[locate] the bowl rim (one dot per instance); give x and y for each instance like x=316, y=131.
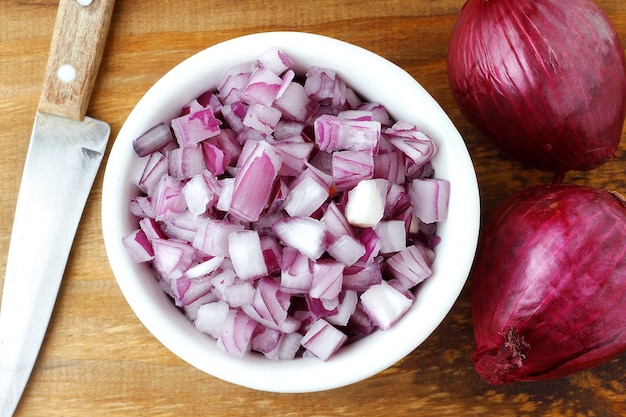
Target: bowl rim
x=354, y=362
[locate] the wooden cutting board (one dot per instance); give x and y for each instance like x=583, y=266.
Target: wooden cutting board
x=98, y=360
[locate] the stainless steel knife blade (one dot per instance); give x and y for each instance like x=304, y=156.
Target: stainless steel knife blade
x=64, y=155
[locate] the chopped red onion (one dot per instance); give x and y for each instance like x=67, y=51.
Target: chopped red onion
x=323, y=339
x=306, y=194
x=335, y=221
x=305, y=234
x=333, y=133
x=138, y=246
x=153, y=140
x=200, y=193
x=384, y=304
x=212, y=236
x=195, y=127
x=254, y=182
x=362, y=275
x=262, y=88
x=168, y=198
x=246, y=254
x=236, y=335
x=392, y=235
x=411, y=265
x=284, y=215
x=149, y=171
x=350, y=167
x=297, y=274
x=275, y=60
x=346, y=249
x=327, y=277
x=412, y=142
x=430, y=199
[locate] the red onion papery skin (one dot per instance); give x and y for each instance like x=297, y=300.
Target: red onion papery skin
x=545, y=80
x=548, y=287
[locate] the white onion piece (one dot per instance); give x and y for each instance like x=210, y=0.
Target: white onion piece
x=366, y=202
x=285, y=215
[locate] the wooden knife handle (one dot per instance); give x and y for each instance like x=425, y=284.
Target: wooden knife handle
x=78, y=40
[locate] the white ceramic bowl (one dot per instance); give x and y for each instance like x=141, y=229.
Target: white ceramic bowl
x=376, y=79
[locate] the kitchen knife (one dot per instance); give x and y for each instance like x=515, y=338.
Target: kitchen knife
x=63, y=158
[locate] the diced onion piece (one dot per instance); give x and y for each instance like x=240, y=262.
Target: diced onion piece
x=384, y=304
x=246, y=254
x=200, y=192
x=212, y=236
x=237, y=295
x=350, y=167
x=172, y=258
x=411, y=141
x=204, y=268
x=138, y=246
x=153, y=140
x=346, y=249
x=168, y=198
x=233, y=81
x=226, y=186
x=195, y=127
x=184, y=163
x=151, y=170
x=270, y=306
x=430, y=199
x=392, y=235
x=361, y=276
x=262, y=87
x=411, y=265
x=296, y=272
x=327, y=277
x=151, y=228
x=371, y=243
x=272, y=253
x=275, y=60
x=333, y=133
x=345, y=309
x=289, y=345
x=254, y=182
x=236, y=335
x=295, y=104
x=302, y=233
x=323, y=339
x=366, y=203
x=335, y=221
x=262, y=118
x=211, y=318
x=307, y=193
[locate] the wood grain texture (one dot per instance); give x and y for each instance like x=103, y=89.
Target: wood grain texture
x=78, y=40
x=98, y=360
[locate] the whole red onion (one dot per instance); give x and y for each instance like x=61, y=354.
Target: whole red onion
x=545, y=80
x=548, y=286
